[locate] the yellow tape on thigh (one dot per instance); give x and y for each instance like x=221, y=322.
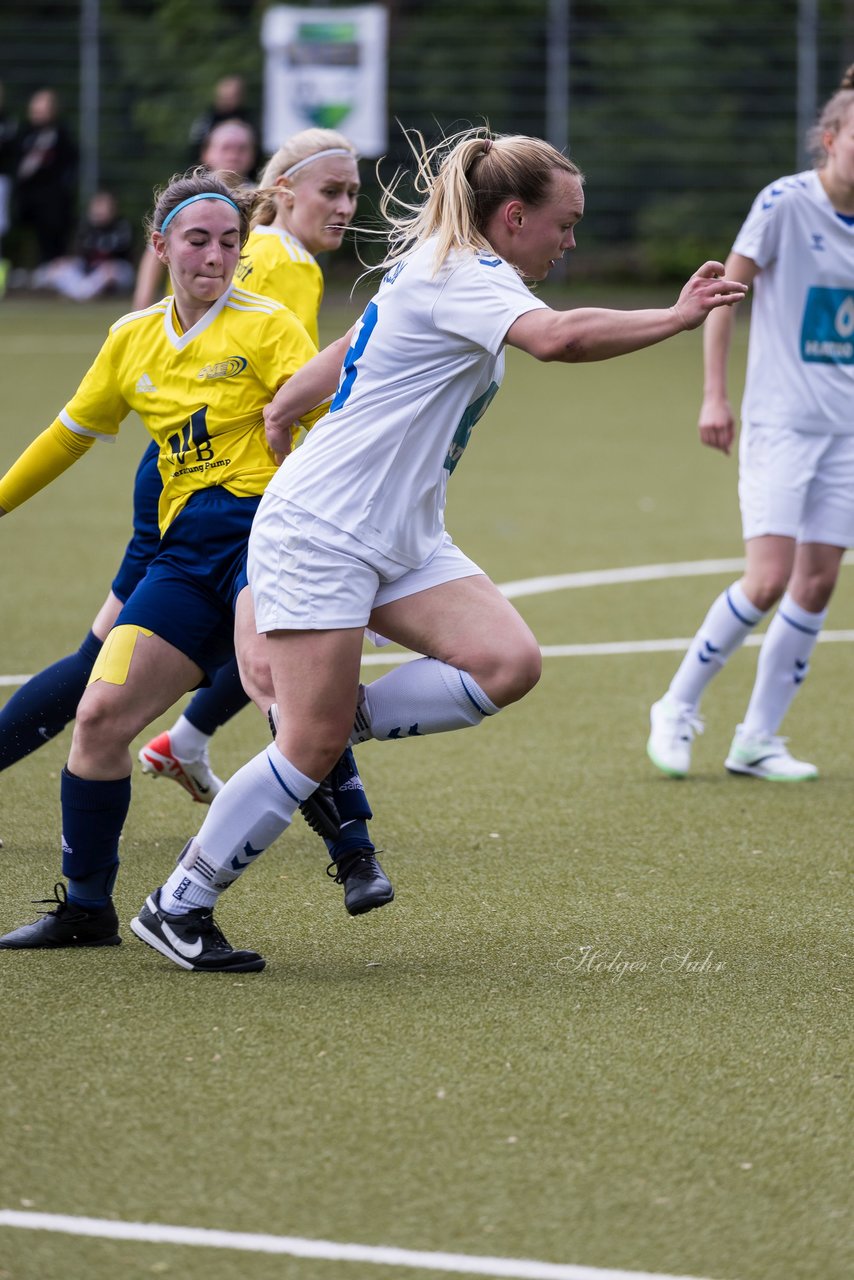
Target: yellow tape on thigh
x=113, y=662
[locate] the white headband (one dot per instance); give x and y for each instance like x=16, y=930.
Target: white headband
x=318, y=155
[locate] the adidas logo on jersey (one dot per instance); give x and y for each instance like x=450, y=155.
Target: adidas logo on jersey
x=145, y=386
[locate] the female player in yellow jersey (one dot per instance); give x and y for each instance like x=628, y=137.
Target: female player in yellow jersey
x=307, y=199
x=198, y=368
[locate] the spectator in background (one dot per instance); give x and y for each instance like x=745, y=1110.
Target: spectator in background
x=46, y=177
x=101, y=262
x=228, y=104
x=231, y=147
x=8, y=139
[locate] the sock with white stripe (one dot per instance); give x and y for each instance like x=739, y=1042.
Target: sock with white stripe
x=784, y=661
x=729, y=621
x=252, y=810
x=420, y=697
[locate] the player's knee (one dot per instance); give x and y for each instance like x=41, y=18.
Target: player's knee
x=255, y=677
x=513, y=672
x=527, y=671
x=319, y=756
x=813, y=591
x=99, y=725
x=765, y=587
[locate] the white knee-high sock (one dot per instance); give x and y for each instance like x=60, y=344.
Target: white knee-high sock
x=784, y=661
x=420, y=697
x=252, y=810
x=731, y=618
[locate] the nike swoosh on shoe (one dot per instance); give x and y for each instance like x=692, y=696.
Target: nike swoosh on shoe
x=186, y=949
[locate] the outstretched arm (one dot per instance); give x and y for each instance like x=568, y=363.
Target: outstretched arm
x=596, y=333
x=47, y=457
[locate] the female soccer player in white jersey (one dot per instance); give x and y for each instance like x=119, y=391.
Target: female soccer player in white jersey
x=351, y=529
x=198, y=368
x=796, y=453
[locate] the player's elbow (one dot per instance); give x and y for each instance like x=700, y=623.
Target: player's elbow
x=566, y=347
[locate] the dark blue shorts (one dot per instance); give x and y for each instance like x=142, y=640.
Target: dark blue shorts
x=142, y=548
x=189, y=593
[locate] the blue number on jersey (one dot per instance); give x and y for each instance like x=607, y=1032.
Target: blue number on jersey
x=827, y=332
x=475, y=411
x=364, y=329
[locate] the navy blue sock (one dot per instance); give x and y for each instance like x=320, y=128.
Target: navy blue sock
x=223, y=698
x=353, y=808
x=93, y=814
x=43, y=706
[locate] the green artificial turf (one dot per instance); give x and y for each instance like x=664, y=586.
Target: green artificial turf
x=604, y=1022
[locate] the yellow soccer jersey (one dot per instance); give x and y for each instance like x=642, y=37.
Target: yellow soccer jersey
x=200, y=394
x=274, y=263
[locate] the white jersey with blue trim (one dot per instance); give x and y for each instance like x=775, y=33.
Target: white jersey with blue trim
x=426, y=359
x=800, y=364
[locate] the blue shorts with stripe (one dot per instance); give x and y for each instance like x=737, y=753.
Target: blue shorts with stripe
x=142, y=548
x=189, y=592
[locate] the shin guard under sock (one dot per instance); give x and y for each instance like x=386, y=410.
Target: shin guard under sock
x=93, y=814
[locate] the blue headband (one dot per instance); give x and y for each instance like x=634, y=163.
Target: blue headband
x=205, y=195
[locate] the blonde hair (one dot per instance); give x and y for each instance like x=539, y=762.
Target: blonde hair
x=464, y=179
x=299, y=147
x=832, y=117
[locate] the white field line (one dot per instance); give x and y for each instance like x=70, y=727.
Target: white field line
x=593, y=578
x=611, y=577
x=605, y=649
x=327, y=1250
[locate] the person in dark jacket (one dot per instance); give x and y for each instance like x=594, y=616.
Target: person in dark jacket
x=46, y=177
x=101, y=261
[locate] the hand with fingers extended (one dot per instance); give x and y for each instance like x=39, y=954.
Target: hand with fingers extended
x=707, y=289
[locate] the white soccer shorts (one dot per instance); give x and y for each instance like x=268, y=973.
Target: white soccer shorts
x=798, y=484
x=307, y=575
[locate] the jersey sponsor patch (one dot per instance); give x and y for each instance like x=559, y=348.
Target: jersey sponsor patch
x=827, y=332
x=223, y=368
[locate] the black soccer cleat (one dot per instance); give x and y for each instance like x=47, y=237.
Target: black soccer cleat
x=366, y=885
x=319, y=810
x=191, y=939
x=67, y=926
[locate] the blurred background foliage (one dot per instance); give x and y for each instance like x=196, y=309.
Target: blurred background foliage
x=679, y=110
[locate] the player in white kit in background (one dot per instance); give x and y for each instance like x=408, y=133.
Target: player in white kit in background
x=796, y=453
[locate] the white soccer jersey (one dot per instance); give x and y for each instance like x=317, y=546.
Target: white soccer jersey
x=800, y=365
x=425, y=361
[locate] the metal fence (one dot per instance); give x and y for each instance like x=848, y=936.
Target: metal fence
x=677, y=111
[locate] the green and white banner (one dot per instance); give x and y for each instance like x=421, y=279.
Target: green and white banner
x=326, y=67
